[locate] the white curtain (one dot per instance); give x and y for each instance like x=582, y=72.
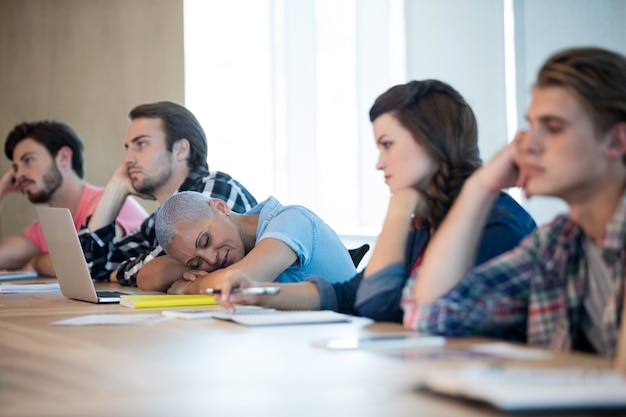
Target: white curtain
x=283, y=89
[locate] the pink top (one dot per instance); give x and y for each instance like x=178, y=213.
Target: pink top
x=130, y=217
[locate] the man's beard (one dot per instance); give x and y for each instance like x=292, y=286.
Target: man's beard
x=150, y=186
x=52, y=180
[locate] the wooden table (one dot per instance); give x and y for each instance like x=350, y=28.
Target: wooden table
x=206, y=367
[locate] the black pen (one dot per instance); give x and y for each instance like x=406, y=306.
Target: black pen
x=246, y=291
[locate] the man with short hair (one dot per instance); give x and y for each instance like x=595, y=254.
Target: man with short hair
x=567, y=280
x=166, y=152
x=48, y=168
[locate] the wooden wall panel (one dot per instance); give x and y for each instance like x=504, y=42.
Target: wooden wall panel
x=87, y=63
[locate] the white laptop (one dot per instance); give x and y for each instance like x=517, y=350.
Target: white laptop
x=68, y=259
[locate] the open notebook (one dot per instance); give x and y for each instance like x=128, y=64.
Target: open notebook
x=277, y=317
x=525, y=390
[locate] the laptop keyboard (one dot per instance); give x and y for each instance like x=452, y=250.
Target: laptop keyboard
x=108, y=294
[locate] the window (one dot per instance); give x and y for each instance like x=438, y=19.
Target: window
x=283, y=90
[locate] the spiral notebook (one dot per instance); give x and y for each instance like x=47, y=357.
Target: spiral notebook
x=278, y=318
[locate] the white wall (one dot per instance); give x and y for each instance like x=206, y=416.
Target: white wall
x=284, y=87
x=543, y=27
x=462, y=42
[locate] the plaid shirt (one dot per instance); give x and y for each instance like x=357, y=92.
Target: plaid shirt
x=541, y=283
x=131, y=252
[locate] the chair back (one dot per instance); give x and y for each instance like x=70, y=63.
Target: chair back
x=358, y=253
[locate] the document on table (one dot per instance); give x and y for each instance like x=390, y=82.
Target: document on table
x=390, y=341
x=506, y=350
x=112, y=320
x=208, y=312
x=7, y=288
x=274, y=318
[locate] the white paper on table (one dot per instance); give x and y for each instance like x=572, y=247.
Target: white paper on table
x=509, y=351
x=112, y=320
x=28, y=288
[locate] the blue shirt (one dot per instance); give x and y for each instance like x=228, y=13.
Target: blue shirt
x=378, y=297
x=317, y=246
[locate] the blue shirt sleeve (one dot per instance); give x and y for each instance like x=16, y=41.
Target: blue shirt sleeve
x=337, y=296
x=507, y=224
x=378, y=297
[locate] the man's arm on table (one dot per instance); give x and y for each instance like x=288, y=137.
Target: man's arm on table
x=16, y=251
x=160, y=273
x=42, y=264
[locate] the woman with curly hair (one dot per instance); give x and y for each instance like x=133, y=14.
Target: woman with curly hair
x=427, y=138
